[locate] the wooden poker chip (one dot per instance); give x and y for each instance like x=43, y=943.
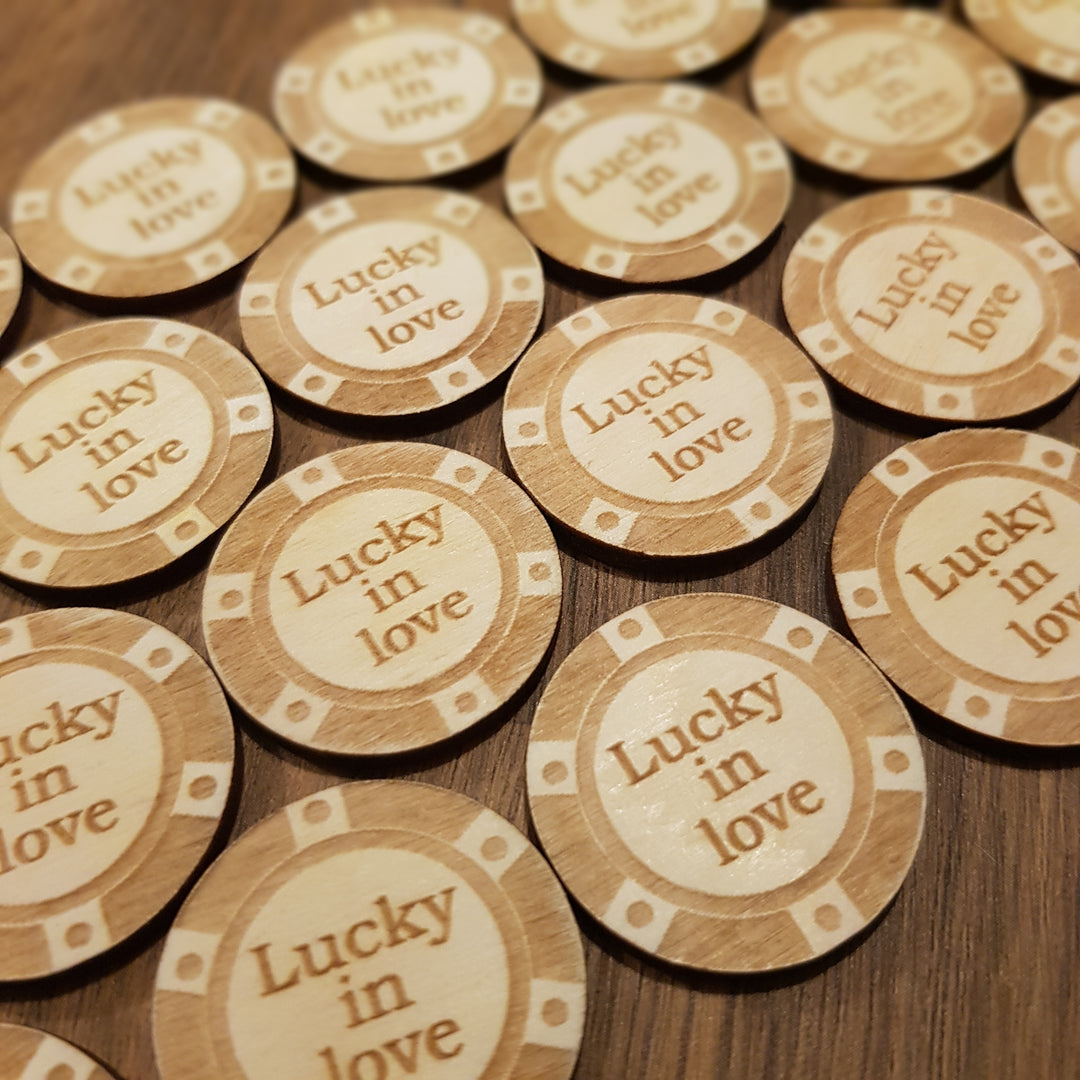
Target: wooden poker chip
x=375, y=929
x=153, y=197
x=29, y=1054
x=394, y=300
x=1043, y=35
x=10, y=279
x=626, y=40
x=123, y=444
x=955, y=561
x=937, y=304
x=665, y=424
x=768, y=849
x=647, y=182
x=887, y=95
x=381, y=598
x=404, y=92
x=92, y=847
x=1047, y=169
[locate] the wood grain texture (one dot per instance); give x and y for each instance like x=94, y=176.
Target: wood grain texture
x=762, y=851
x=153, y=196
x=887, y=94
x=1042, y=162
x=937, y=304
x=392, y=301
x=381, y=598
x=28, y=1054
x=668, y=424
x=973, y=973
x=621, y=39
x=11, y=278
x=118, y=756
x=1045, y=37
x=955, y=565
x=402, y=91
x=128, y=442
x=373, y=929
x=647, y=182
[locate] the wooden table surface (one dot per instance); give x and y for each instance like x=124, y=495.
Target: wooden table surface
x=971, y=972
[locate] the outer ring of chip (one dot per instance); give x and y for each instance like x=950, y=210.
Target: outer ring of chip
x=1047, y=368
x=1041, y=170
x=29, y=1052
x=787, y=477
x=982, y=698
x=516, y=94
x=545, y=1004
x=275, y=688
x=740, y=932
x=511, y=316
x=764, y=190
x=197, y=739
x=999, y=101
x=734, y=24
x=10, y=279
x=56, y=253
x=996, y=21
x=242, y=425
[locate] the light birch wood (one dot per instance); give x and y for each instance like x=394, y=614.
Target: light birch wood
x=647, y=182
x=937, y=304
x=381, y=929
x=381, y=598
x=406, y=91
x=29, y=1054
x=955, y=562
x=957, y=980
x=392, y=301
x=11, y=277
x=153, y=197
x=125, y=444
x=667, y=424
x=621, y=39
x=725, y=782
x=116, y=753
x=1046, y=164
x=887, y=95
x=1043, y=35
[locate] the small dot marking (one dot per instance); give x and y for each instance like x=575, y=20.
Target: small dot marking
x=554, y=772
x=494, y=848
x=189, y=967
x=78, y=935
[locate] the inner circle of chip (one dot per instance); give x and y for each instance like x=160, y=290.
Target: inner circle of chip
x=125, y=443
x=390, y=301
x=381, y=598
x=153, y=197
x=725, y=783
x=955, y=561
x=937, y=304
x=10, y=279
x=31, y=1054
x=648, y=182
x=368, y=925
x=1046, y=164
x=620, y=40
x=117, y=746
x=407, y=91
x=1042, y=36
x=887, y=95
x=667, y=424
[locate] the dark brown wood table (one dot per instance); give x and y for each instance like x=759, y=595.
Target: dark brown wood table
x=972, y=971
